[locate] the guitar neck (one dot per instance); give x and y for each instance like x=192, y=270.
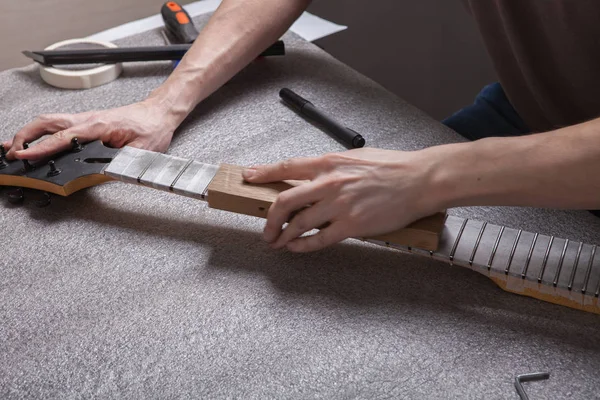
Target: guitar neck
x=224, y=188
x=548, y=268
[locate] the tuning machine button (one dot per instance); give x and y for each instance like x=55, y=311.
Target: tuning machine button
x=44, y=200
x=53, y=170
x=76, y=147
x=3, y=162
x=16, y=196
x=26, y=165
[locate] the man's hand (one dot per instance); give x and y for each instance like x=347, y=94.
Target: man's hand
x=366, y=192
x=237, y=32
x=362, y=192
x=139, y=125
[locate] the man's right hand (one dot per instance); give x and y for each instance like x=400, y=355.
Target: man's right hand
x=142, y=125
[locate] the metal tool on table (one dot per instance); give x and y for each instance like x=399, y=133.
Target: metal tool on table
x=519, y=379
x=124, y=54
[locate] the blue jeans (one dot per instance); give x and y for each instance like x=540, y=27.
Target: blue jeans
x=491, y=114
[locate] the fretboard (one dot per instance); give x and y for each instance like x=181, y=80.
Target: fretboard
x=163, y=172
x=545, y=267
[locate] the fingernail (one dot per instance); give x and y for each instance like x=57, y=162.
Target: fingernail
x=248, y=173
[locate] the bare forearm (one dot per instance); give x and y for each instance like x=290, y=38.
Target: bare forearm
x=558, y=169
x=237, y=33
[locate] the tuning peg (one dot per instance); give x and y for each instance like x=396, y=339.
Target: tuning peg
x=3, y=163
x=26, y=165
x=76, y=146
x=44, y=200
x=53, y=170
x=16, y=196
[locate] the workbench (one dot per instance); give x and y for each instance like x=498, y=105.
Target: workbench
x=120, y=291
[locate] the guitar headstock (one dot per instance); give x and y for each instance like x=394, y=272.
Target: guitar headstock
x=64, y=173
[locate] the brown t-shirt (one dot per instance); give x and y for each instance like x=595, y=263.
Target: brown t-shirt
x=547, y=57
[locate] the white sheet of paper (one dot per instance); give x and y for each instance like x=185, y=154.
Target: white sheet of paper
x=311, y=27
x=308, y=26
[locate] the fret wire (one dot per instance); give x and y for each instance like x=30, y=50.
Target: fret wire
x=589, y=270
x=205, y=192
x=541, y=275
x=512, y=252
x=455, y=245
x=477, y=243
x=179, y=174
x=597, y=294
x=572, y=278
x=560, y=263
x=491, y=259
x=529, y=255
x=445, y=219
x=139, y=178
x=195, y=180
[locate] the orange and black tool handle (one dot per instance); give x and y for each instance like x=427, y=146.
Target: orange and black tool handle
x=178, y=23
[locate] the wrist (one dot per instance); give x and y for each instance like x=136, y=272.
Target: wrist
x=457, y=176
x=423, y=175
x=161, y=112
x=174, y=98
x=487, y=172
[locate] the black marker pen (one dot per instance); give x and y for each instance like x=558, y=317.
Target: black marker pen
x=347, y=136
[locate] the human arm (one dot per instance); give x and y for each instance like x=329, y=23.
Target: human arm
x=365, y=192
x=236, y=34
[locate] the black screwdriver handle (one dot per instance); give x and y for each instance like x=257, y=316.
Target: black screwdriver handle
x=178, y=23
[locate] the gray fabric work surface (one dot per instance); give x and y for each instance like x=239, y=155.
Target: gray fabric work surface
x=121, y=291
